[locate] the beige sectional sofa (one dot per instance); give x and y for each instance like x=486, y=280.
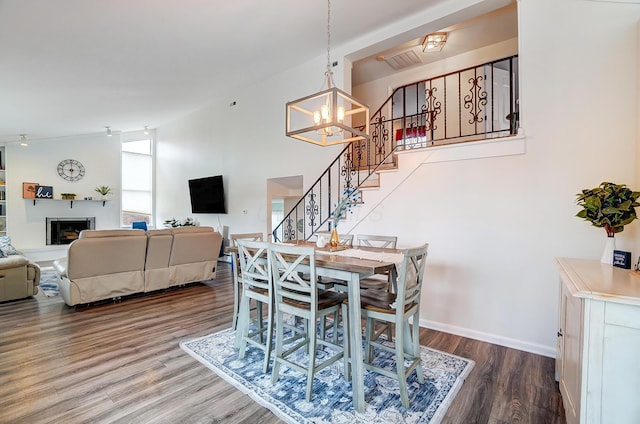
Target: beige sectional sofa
x=19, y=278
x=104, y=264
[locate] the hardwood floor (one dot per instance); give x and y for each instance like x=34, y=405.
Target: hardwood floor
x=121, y=363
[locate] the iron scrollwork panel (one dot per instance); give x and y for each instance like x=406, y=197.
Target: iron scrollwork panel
x=475, y=101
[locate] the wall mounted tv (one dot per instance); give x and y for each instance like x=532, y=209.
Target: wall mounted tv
x=207, y=195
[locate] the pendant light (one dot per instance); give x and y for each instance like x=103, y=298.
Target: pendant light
x=330, y=116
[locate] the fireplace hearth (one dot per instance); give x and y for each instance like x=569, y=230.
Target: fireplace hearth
x=65, y=230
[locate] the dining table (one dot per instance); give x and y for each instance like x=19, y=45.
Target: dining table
x=351, y=265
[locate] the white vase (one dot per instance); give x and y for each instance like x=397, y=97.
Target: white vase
x=609, y=247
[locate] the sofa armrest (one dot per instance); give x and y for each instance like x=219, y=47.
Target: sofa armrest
x=33, y=274
x=13, y=261
x=60, y=266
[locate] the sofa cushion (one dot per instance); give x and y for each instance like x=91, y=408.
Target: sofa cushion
x=6, y=248
x=110, y=233
x=191, y=229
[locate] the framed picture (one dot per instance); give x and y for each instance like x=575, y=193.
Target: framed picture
x=44, y=192
x=29, y=190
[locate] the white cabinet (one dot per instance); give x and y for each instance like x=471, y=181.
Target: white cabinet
x=598, y=358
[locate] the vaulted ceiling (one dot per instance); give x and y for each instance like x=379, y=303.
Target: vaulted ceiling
x=74, y=66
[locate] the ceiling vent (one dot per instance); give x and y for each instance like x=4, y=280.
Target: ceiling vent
x=403, y=60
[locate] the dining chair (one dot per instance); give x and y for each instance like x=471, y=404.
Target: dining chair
x=235, y=269
x=255, y=275
x=400, y=310
x=370, y=240
x=345, y=239
x=388, y=242
x=375, y=282
x=300, y=297
x=381, y=281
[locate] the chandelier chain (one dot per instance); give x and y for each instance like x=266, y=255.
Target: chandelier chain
x=328, y=35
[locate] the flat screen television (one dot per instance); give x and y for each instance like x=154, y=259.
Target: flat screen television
x=207, y=195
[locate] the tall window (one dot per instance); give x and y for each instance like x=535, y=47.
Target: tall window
x=137, y=182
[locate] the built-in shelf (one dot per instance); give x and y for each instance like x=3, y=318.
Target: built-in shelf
x=71, y=201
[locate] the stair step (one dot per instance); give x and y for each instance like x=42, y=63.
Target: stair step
x=387, y=167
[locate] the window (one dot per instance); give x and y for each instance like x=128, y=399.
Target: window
x=137, y=182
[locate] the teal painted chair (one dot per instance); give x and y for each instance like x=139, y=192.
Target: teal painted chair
x=235, y=268
x=399, y=310
x=297, y=294
x=255, y=275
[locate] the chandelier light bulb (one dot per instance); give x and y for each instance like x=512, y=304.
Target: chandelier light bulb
x=324, y=111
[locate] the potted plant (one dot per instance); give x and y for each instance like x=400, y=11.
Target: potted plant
x=609, y=206
x=68, y=196
x=340, y=212
x=103, y=190
x=174, y=223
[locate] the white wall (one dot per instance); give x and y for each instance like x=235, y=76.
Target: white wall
x=246, y=144
x=38, y=163
x=494, y=224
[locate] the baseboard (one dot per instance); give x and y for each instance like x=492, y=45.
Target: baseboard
x=548, y=351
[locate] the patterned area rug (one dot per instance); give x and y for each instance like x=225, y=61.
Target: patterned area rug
x=331, y=401
x=49, y=282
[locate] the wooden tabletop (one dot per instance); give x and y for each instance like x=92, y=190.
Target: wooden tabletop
x=345, y=263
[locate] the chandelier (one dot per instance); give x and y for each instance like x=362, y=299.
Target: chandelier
x=330, y=116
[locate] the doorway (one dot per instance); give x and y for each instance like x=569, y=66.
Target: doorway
x=282, y=195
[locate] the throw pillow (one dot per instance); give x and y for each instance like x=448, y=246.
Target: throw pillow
x=5, y=246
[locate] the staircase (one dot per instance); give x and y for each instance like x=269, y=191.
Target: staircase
x=469, y=105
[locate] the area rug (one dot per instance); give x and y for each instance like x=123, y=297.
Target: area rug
x=331, y=402
x=49, y=282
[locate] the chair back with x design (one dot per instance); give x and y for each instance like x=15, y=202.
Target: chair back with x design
x=256, y=286
x=297, y=294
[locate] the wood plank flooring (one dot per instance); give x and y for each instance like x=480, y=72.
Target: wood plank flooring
x=121, y=363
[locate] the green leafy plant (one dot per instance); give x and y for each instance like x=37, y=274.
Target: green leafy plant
x=346, y=203
x=188, y=222
x=609, y=206
x=104, y=190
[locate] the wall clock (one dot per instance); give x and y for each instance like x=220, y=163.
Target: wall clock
x=71, y=170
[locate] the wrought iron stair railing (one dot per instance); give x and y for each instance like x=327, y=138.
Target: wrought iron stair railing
x=471, y=104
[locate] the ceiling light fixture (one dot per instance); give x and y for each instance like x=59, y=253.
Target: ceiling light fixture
x=330, y=116
x=109, y=134
x=23, y=140
x=146, y=130
x=434, y=42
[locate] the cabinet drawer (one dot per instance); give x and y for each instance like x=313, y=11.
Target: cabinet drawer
x=623, y=315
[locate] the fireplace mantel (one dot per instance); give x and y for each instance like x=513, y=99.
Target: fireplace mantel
x=103, y=201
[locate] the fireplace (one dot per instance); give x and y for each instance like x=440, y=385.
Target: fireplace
x=66, y=230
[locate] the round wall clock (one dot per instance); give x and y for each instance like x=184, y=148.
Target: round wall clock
x=71, y=170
